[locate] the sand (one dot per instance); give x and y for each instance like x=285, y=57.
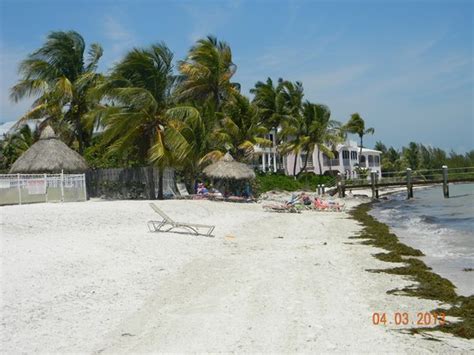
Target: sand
x=89, y=277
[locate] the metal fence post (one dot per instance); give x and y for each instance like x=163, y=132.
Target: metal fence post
x=19, y=188
x=445, y=182
x=85, y=187
x=62, y=186
x=45, y=188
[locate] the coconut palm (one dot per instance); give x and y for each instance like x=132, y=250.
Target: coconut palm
x=59, y=76
x=139, y=92
x=310, y=130
x=325, y=133
x=207, y=72
x=241, y=129
x=191, y=137
x=15, y=144
x=356, y=125
x=293, y=126
x=270, y=102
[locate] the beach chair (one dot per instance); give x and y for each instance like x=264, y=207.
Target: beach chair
x=281, y=208
x=183, y=191
x=167, y=224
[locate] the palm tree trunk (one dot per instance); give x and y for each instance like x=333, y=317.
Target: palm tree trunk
x=305, y=163
x=160, y=183
x=294, y=165
x=79, y=134
x=150, y=183
x=319, y=163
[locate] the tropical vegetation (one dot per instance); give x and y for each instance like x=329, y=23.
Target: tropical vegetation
x=148, y=109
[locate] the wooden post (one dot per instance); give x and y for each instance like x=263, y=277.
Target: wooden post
x=445, y=182
x=377, y=186
x=322, y=189
x=319, y=189
x=339, y=184
x=343, y=185
x=409, y=184
x=372, y=182
x=19, y=188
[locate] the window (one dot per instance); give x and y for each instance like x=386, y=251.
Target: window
x=371, y=160
x=325, y=160
x=270, y=137
x=345, y=154
x=353, y=155
x=377, y=160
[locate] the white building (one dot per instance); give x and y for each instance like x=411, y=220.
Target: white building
x=345, y=161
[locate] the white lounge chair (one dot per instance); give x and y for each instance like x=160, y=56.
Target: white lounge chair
x=167, y=224
x=183, y=191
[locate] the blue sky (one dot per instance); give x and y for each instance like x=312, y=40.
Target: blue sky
x=406, y=66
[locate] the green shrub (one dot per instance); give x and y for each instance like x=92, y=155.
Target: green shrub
x=271, y=181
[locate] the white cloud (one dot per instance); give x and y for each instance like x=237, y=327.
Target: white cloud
x=118, y=39
x=10, y=57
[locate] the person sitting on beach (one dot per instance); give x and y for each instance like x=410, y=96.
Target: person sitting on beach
x=306, y=199
x=202, y=190
x=294, y=200
x=325, y=205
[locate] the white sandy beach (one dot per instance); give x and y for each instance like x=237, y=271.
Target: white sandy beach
x=89, y=277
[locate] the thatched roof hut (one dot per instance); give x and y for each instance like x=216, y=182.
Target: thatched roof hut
x=228, y=168
x=49, y=155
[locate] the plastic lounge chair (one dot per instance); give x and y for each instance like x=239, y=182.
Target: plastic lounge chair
x=183, y=191
x=281, y=208
x=167, y=224
x=321, y=205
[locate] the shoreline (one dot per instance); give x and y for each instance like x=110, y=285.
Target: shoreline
x=89, y=277
x=430, y=285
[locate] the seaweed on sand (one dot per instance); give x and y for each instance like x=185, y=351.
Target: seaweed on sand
x=429, y=285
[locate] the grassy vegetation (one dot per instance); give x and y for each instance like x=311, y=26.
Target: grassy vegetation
x=429, y=284
x=268, y=182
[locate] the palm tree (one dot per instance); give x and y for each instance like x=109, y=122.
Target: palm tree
x=241, y=129
x=15, y=144
x=310, y=130
x=207, y=71
x=356, y=125
x=325, y=132
x=293, y=124
x=139, y=90
x=191, y=137
x=60, y=77
x=270, y=102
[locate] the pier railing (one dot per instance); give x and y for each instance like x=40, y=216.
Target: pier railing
x=409, y=178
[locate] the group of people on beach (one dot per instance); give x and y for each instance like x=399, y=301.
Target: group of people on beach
x=317, y=203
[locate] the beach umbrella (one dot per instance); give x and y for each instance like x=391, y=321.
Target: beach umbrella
x=49, y=155
x=228, y=168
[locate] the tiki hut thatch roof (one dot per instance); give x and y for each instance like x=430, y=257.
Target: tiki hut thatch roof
x=49, y=155
x=227, y=168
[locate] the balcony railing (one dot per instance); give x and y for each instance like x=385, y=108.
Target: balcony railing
x=346, y=162
x=331, y=162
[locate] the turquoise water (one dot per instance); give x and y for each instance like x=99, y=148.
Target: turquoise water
x=443, y=229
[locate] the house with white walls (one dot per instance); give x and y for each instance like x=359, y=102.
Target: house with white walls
x=345, y=160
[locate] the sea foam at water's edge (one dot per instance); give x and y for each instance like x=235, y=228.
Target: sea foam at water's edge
x=443, y=229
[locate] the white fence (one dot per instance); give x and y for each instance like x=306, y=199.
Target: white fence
x=31, y=188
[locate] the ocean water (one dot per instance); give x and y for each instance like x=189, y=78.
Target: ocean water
x=443, y=229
